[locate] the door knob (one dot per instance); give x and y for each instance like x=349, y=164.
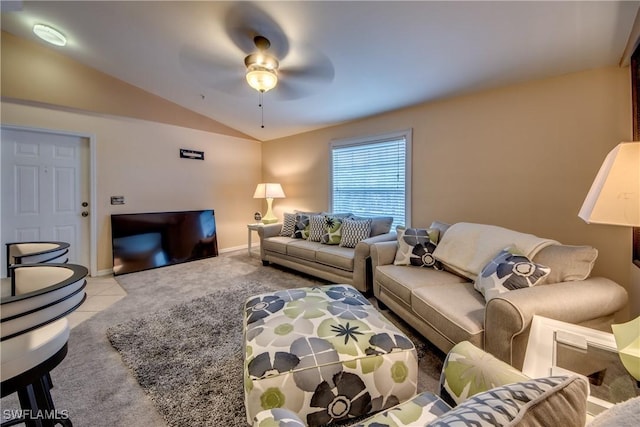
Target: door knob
x=85, y=213
x=85, y=204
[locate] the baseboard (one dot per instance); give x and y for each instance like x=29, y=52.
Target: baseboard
x=109, y=271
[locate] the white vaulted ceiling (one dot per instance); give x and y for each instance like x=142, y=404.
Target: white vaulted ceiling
x=339, y=61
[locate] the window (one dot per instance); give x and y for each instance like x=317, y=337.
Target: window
x=372, y=176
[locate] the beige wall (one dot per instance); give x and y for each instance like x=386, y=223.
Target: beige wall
x=140, y=160
x=521, y=157
x=34, y=73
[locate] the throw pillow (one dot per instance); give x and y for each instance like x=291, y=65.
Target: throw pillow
x=354, y=231
x=301, y=230
x=316, y=228
x=508, y=271
x=550, y=401
x=416, y=246
x=288, y=224
x=332, y=230
x=567, y=263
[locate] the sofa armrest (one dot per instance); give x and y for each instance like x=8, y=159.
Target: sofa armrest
x=383, y=253
x=508, y=317
x=362, y=272
x=269, y=230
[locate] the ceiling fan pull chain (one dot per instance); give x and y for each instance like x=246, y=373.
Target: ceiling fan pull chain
x=261, y=105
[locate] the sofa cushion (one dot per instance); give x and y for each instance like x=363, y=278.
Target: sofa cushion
x=303, y=249
x=567, y=263
x=277, y=244
x=550, y=401
x=379, y=224
x=401, y=281
x=416, y=246
x=456, y=310
x=509, y=270
x=336, y=256
x=354, y=231
x=288, y=224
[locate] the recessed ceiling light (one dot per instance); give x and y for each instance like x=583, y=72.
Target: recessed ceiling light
x=49, y=34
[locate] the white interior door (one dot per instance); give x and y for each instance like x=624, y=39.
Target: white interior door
x=46, y=191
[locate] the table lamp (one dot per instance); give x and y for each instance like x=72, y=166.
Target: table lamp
x=269, y=191
x=614, y=199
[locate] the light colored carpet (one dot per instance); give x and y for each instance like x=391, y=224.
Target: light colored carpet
x=98, y=389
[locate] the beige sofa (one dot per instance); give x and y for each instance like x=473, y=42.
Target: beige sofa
x=444, y=306
x=334, y=263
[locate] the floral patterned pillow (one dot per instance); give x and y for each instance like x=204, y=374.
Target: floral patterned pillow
x=332, y=230
x=509, y=270
x=301, y=229
x=416, y=246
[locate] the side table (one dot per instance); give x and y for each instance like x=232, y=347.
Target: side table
x=252, y=227
x=557, y=348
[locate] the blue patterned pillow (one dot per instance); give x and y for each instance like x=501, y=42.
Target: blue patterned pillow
x=509, y=270
x=416, y=246
x=354, y=231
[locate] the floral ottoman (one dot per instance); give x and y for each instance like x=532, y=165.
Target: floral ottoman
x=324, y=353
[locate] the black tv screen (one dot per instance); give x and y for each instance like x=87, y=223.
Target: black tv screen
x=142, y=241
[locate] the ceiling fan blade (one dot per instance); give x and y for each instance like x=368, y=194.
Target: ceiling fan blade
x=245, y=20
x=303, y=76
x=212, y=70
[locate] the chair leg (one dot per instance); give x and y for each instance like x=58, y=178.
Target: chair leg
x=36, y=401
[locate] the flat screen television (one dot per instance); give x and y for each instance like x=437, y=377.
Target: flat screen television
x=142, y=241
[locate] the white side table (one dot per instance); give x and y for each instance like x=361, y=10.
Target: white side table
x=559, y=348
x=252, y=227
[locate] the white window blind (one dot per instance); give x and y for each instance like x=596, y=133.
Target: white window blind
x=370, y=177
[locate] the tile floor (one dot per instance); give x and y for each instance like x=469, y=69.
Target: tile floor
x=102, y=292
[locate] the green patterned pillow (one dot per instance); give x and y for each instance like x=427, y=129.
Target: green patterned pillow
x=468, y=370
x=332, y=230
x=416, y=246
x=509, y=270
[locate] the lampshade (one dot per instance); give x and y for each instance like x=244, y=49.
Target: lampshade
x=614, y=197
x=261, y=79
x=269, y=190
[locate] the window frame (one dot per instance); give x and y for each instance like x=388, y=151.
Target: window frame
x=407, y=134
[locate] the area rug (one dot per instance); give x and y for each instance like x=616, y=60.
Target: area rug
x=189, y=358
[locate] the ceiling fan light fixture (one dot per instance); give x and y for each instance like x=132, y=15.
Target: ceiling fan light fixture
x=49, y=34
x=262, y=79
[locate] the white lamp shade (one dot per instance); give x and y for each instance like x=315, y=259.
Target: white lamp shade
x=614, y=197
x=269, y=191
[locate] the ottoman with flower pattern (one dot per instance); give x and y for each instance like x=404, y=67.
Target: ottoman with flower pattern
x=324, y=353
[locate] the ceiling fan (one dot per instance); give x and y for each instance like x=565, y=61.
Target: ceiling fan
x=271, y=59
